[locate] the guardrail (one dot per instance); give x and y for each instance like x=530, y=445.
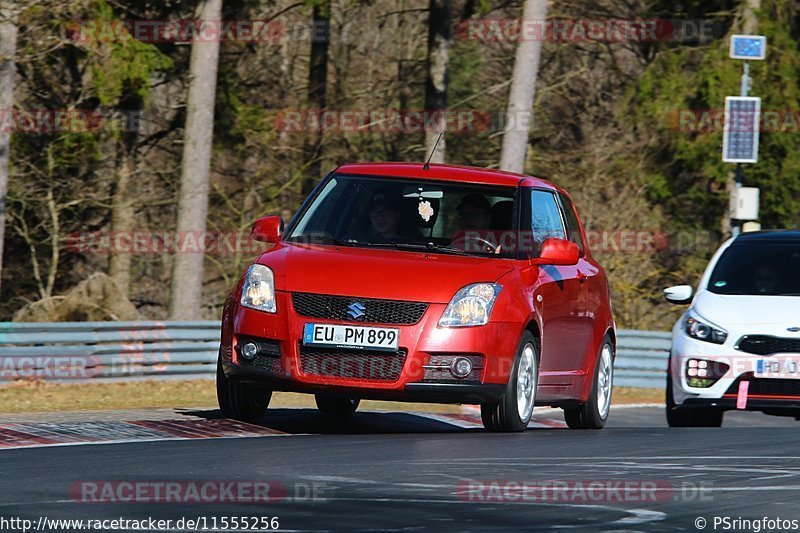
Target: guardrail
x=115, y=351
x=102, y=351
x=642, y=358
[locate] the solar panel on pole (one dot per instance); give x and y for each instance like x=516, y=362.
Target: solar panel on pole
x=741, y=132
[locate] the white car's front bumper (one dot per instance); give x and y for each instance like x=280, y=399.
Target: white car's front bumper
x=761, y=392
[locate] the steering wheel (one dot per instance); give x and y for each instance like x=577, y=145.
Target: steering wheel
x=468, y=242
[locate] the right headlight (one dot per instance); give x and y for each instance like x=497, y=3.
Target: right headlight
x=258, y=291
x=703, y=330
x=471, y=306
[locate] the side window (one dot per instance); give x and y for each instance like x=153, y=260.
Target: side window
x=545, y=217
x=573, y=227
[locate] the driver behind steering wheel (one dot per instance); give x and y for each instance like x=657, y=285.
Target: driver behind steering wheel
x=475, y=218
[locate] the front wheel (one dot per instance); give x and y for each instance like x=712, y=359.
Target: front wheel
x=594, y=413
x=681, y=417
x=238, y=400
x=336, y=406
x=514, y=410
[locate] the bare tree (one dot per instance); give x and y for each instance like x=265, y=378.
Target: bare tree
x=187, y=272
x=8, y=48
x=439, y=18
x=522, y=93
x=317, y=88
x=123, y=209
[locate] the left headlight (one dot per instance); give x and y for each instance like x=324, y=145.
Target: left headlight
x=703, y=330
x=471, y=306
x=258, y=291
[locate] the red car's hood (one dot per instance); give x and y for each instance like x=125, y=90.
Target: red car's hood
x=378, y=273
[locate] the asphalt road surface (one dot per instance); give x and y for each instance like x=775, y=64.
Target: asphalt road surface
x=409, y=472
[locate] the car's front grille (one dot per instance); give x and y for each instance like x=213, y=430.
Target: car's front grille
x=348, y=308
x=789, y=388
x=362, y=364
x=768, y=345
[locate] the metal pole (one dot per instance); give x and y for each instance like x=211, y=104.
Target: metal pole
x=739, y=176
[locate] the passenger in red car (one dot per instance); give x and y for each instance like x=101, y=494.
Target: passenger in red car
x=385, y=222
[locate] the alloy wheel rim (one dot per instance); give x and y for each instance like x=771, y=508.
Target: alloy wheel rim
x=605, y=377
x=526, y=383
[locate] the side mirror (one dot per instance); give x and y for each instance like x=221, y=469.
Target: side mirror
x=679, y=294
x=558, y=252
x=267, y=229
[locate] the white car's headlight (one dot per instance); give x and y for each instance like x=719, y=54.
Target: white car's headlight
x=703, y=330
x=471, y=306
x=258, y=291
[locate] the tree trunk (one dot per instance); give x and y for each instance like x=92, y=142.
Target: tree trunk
x=317, y=88
x=8, y=49
x=122, y=218
x=187, y=273
x=439, y=21
x=523, y=90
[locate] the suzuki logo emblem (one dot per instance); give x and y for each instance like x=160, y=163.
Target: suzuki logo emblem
x=794, y=329
x=356, y=310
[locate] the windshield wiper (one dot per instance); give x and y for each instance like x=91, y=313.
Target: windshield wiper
x=429, y=247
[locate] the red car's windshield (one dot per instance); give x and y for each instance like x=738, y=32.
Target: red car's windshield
x=439, y=216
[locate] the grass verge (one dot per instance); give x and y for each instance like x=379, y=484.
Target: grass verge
x=31, y=397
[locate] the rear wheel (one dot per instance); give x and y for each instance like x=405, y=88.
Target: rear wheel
x=239, y=400
x=681, y=417
x=594, y=413
x=336, y=406
x=514, y=410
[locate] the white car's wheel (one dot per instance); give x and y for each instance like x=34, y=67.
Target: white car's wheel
x=681, y=417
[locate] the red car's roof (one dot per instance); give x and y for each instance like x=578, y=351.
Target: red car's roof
x=445, y=172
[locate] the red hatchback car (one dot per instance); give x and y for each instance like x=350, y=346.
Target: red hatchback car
x=429, y=283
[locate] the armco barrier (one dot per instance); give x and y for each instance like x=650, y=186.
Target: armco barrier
x=102, y=351
x=76, y=351
x=642, y=358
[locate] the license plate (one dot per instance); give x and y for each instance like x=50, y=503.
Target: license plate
x=351, y=337
x=782, y=368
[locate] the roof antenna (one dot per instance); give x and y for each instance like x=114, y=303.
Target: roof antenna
x=427, y=164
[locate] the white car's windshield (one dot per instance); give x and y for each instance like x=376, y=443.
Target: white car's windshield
x=438, y=216
x=758, y=268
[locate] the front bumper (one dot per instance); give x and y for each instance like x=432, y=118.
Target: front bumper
x=771, y=395
x=405, y=376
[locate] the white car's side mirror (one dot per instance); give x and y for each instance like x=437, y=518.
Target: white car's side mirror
x=679, y=294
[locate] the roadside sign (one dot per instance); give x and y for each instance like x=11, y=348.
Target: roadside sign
x=752, y=47
x=741, y=131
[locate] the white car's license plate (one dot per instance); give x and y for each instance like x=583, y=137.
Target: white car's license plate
x=353, y=337
x=781, y=368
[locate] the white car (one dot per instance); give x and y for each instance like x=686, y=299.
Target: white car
x=738, y=344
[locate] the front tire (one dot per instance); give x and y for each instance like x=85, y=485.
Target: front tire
x=514, y=410
x=238, y=400
x=681, y=417
x=594, y=413
x=336, y=406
